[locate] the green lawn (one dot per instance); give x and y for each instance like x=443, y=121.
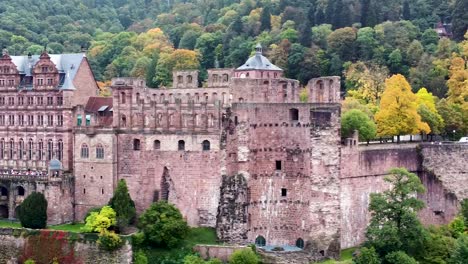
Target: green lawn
x=66, y=227
x=346, y=257
x=76, y=228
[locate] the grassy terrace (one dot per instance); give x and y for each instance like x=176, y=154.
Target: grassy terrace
x=346, y=257
x=66, y=227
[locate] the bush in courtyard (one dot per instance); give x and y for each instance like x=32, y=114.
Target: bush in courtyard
x=123, y=205
x=243, y=256
x=30, y=261
x=99, y=222
x=33, y=211
x=366, y=256
x=399, y=257
x=140, y=258
x=108, y=240
x=163, y=225
x=193, y=259
x=138, y=239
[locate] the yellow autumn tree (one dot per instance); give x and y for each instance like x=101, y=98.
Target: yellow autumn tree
x=428, y=111
x=398, y=113
x=458, y=82
x=366, y=82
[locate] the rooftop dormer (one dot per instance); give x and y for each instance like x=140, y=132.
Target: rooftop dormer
x=9, y=75
x=45, y=73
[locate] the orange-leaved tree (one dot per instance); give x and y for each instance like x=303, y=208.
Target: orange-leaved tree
x=398, y=113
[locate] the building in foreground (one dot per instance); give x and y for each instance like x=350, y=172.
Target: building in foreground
x=246, y=154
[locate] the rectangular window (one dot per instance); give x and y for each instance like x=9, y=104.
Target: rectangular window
x=88, y=120
x=45, y=69
x=78, y=120
x=11, y=101
x=59, y=100
x=2, y=120
x=50, y=120
x=20, y=100
x=284, y=192
x=21, y=120
x=50, y=100
x=40, y=120
x=40, y=100
x=30, y=100
x=40, y=81
x=60, y=120
x=11, y=120
x=2, y=82
x=2, y=100
x=30, y=120
x=49, y=81
x=11, y=82
x=278, y=165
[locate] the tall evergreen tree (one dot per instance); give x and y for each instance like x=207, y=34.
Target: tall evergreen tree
x=305, y=34
x=151, y=71
x=265, y=18
x=406, y=11
x=460, y=19
x=123, y=205
x=32, y=212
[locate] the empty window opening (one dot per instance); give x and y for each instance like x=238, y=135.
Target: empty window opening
x=165, y=185
x=278, y=164
x=181, y=145
x=206, y=145
x=136, y=144
x=102, y=191
x=84, y=190
x=157, y=144
x=300, y=243
x=260, y=241
x=322, y=253
x=20, y=191
x=3, y=191
x=284, y=192
x=294, y=114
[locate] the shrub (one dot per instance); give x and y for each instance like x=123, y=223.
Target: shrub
x=366, y=256
x=192, y=259
x=98, y=222
x=457, y=226
x=92, y=210
x=460, y=253
x=33, y=211
x=138, y=239
x=464, y=210
x=243, y=256
x=399, y=257
x=214, y=261
x=163, y=225
x=30, y=261
x=140, y=258
x=123, y=205
x=108, y=240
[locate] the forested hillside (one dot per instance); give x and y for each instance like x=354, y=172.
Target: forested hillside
x=364, y=41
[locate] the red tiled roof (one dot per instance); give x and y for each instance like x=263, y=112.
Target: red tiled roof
x=95, y=103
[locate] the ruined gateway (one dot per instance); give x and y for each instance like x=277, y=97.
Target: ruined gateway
x=245, y=154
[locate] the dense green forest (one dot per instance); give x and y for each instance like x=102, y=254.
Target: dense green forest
x=363, y=41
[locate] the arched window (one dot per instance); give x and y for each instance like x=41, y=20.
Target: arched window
x=157, y=144
x=21, y=149
x=260, y=241
x=50, y=149
x=99, y=151
x=20, y=191
x=60, y=150
x=136, y=144
x=30, y=149
x=2, y=148
x=294, y=114
x=206, y=145
x=124, y=121
x=12, y=147
x=40, y=150
x=181, y=145
x=300, y=243
x=84, y=151
x=122, y=98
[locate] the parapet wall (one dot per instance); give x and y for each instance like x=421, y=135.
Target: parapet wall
x=441, y=168
x=45, y=245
